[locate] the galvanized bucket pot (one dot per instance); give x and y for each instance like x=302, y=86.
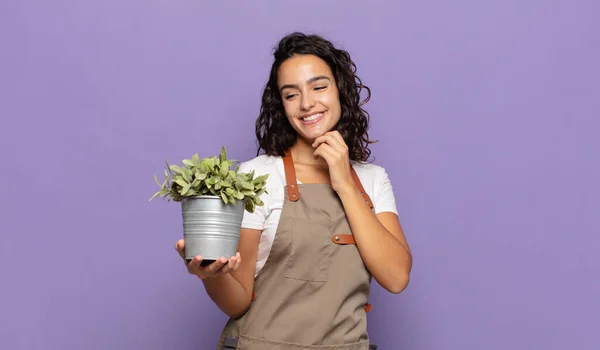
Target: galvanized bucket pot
x=211, y=228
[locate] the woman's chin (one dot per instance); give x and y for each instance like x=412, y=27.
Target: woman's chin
x=310, y=138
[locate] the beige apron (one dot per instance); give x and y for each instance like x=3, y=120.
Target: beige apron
x=312, y=292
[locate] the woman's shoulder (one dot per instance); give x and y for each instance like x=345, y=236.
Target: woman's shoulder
x=265, y=164
x=369, y=171
x=377, y=183
x=262, y=163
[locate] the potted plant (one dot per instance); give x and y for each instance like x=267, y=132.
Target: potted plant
x=213, y=198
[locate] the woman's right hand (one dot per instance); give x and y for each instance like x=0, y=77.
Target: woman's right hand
x=220, y=267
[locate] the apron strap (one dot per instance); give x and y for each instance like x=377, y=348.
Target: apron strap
x=361, y=188
x=290, y=177
x=292, y=184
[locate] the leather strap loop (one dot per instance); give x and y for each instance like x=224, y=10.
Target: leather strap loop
x=343, y=239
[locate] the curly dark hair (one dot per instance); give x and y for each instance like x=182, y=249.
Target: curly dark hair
x=274, y=133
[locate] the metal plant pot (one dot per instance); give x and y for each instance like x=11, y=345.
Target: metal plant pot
x=211, y=228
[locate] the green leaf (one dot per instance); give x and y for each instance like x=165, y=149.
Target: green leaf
x=175, y=169
x=261, y=179
x=184, y=189
x=207, y=165
x=154, y=196
x=204, y=168
x=223, y=155
x=224, y=197
x=238, y=184
x=246, y=192
x=224, y=170
x=230, y=197
x=185, y=172
x=247, y=185
x=250, y=206
x=212, y=180
x=181, y=182
x=168, y=167
x=226, y=183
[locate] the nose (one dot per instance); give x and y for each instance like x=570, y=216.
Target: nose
x=307, y=102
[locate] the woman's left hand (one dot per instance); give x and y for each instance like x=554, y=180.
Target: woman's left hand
x=333, y=149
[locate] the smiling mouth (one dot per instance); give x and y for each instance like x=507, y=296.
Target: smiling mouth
x=313, y=118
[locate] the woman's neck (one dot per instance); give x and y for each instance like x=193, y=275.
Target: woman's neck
x=302, y=153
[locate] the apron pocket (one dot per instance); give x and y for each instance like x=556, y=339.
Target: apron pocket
x=310, y=252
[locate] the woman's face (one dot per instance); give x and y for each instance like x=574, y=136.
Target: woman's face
x=310, y=95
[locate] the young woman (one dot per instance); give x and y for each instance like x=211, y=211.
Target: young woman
x=302, y=276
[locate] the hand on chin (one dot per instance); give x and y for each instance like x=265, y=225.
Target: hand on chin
x=333, y=149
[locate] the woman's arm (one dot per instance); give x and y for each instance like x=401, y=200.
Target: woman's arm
x=229, y=286
x=379, y=238
x=380, y=241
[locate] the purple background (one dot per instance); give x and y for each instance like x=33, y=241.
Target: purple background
x=487, y=112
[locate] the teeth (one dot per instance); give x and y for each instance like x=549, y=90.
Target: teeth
x=312, y=117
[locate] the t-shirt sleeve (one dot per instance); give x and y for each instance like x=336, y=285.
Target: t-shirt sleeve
x=257, y=219
x=384, y=200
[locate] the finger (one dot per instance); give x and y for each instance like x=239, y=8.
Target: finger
x=334, y=137
x=317, y=143
x=180, y=247
x=232, y=262
x=326, y=152
x=337, y=136
x=194, y=264
x=227, y=268
x=216, y=266
x=238, y=261
x=332, y=141
x=320, y=140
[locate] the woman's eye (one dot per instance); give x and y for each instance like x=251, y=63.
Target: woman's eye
x=320, y=87
x=289, y=97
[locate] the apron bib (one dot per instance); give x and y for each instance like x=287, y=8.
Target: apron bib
x=312, y=291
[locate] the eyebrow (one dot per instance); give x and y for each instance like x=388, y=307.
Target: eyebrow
x=311, y=80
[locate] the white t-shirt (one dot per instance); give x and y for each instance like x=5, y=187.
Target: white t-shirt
x=266, y=218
